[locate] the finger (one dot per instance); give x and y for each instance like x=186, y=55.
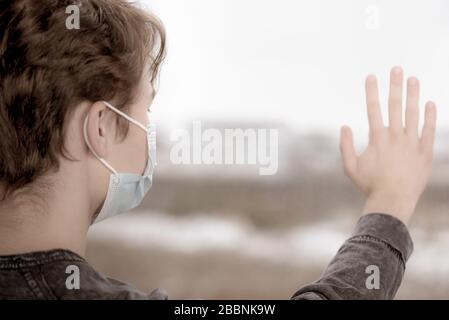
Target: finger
x=412, y=109
x=347, y=150
x=395, y=100
x=428, y=131
x=372, y=104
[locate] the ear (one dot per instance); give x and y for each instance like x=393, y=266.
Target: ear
x=98, y=131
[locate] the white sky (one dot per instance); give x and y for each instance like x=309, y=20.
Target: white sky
x=299, y=62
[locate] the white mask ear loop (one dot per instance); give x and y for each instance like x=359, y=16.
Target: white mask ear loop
x=107, y=165
x=124, y=115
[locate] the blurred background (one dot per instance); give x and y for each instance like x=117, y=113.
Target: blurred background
x=226, y=232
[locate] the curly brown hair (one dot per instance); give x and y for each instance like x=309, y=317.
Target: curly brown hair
x=47, y=69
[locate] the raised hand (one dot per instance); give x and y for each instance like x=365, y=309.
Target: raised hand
x=394, y=168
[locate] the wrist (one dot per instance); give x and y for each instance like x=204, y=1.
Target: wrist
x=399, y=206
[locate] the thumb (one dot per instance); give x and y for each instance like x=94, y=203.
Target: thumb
x=347, y=150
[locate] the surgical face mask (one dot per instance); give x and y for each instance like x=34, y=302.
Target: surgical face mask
x=126, y=190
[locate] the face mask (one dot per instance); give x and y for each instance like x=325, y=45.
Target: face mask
x=126, y=190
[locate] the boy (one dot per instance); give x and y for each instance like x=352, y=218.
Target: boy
x=77, y=147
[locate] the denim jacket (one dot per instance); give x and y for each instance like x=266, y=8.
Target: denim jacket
x=379, y=247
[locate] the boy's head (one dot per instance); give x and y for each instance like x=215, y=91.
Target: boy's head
x=52, y=77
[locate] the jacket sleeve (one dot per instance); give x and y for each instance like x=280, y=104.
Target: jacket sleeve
x=369, y=265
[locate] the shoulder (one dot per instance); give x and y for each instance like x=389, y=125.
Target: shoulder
x=77, y=279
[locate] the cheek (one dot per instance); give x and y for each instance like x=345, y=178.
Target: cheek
x=131, y=153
